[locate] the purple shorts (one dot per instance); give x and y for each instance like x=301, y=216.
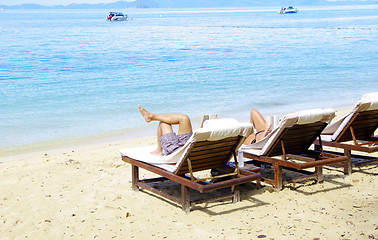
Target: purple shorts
x=170, y=142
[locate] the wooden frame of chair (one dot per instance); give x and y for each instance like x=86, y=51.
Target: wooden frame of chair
x=293, y=148
x=360, y=127
x=202, y=155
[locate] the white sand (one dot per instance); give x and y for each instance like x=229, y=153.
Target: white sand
x=84, y=192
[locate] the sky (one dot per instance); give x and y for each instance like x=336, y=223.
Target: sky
x=54, y=2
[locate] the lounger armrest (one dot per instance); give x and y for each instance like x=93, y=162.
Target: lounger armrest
x=347, y=146
x=231, y=182
x=323, y=162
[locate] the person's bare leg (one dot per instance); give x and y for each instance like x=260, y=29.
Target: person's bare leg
x=259, y=124
x=249, y=139
x=162, y=129
x=183, y=120
x=257, y=120
x=165, y=126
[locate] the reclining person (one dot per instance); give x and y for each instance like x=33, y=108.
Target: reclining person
x=261, y=126
x=168, y=141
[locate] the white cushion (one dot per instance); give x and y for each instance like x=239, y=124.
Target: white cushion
x=368, y=102
x=372, y=99
x=222, y=128
x=145, y=153
x=313, y=115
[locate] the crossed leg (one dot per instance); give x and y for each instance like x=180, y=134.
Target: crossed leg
x=166, y=122
x=260, y=125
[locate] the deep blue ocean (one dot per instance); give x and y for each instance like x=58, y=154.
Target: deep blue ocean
x=67, y=75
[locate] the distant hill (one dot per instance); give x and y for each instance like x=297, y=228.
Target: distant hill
x=115, y=5
x=192, y=4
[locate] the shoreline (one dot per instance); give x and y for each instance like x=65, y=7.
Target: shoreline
x=148, y=131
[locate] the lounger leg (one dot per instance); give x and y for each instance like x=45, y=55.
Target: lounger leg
x=185, y=198
x=348, y=164
x=135, y=177
x=277, y=177
x=319, y=174
x=317, y=148
x=258, y=184
x=236, y=194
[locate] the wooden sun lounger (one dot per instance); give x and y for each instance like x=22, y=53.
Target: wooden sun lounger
x=290, y=150
x=200, y=156
x=355, y=132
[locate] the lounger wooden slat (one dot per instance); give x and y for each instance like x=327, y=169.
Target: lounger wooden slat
x=366, y=123
x=203, y=162
x=290, y=148
x=208, y=153
x=200, y=167
x=200, y=155
x=200, y=161
x=293, y=143
x=355, y=132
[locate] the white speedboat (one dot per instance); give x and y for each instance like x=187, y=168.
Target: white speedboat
x=116, y=16
x=288, y=9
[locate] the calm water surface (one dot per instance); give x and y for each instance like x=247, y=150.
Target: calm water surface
x=69, y=74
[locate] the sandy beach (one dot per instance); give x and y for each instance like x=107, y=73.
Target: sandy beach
x=84, y=192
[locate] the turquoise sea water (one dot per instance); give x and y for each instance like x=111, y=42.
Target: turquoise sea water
x=70, y=74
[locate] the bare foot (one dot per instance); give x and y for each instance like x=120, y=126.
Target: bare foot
x=146, y=114
x=157, y=152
